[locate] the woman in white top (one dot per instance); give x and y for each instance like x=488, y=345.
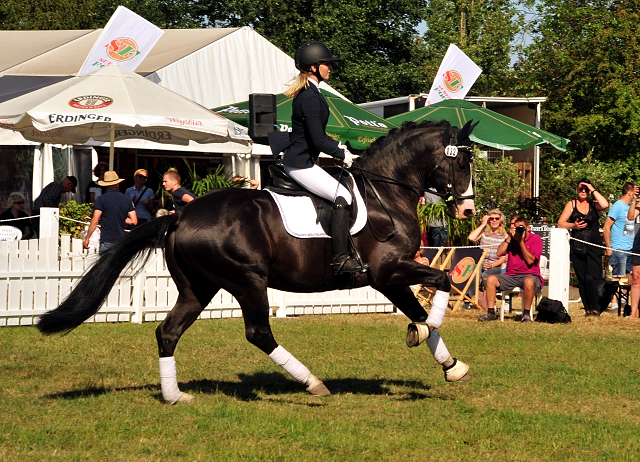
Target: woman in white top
x=491, y=233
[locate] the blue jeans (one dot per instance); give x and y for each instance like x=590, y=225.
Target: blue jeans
x=104, y=246
x=437, y=236
x=621, y=264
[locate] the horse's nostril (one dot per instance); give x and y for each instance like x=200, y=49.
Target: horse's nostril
x=469, y=213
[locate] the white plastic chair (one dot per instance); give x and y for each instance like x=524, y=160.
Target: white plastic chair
x=10, y=233
x=509, y=294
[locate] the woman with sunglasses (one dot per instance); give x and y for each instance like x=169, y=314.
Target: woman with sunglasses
x=581, y=216
x=141, y=196
x=15, y=210
x=491, y=233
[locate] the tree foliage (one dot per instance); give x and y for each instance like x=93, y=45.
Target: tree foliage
x=585, y=59
x=558, y=184
x=485, y=30
x=377, y=42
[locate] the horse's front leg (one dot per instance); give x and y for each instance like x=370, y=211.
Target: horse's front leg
x=424, y=327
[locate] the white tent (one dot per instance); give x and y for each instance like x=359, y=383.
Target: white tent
x=212, y=67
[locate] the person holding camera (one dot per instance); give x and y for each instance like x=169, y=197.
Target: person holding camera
x=581, y=217
x=523, y=250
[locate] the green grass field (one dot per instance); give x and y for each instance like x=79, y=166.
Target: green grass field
x=539, y=392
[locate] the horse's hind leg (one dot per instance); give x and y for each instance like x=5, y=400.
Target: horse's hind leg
x=255, y=309
x=186, y=310
x=454, y=370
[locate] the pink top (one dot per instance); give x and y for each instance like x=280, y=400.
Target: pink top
x=516, y=263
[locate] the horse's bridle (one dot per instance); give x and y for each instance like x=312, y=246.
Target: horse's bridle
x=451, y=152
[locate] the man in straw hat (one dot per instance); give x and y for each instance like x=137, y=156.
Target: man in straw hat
x=112, y=210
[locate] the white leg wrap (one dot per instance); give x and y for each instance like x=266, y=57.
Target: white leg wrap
x=438, y=309
x=168, y=380
x=437, y=347
x=284, y=359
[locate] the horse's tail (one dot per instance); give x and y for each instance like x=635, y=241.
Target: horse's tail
x=89, y=294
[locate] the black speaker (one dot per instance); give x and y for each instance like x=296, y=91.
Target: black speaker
x=262, y=115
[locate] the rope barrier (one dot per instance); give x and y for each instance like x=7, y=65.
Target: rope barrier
x=603, y=247
x=16, y=219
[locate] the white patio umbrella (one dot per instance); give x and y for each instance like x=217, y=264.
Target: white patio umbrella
x=113, y=104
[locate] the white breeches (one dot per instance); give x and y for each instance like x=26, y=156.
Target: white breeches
x=319, y=182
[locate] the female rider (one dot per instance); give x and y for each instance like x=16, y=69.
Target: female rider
x=308, y=139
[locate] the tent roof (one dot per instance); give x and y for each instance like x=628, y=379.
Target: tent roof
x=34, y=52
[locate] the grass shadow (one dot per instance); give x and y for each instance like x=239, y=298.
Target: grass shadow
x=250, y=386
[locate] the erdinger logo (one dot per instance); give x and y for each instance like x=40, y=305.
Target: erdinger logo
x=453, y=80
x=463, y=270
x=122, y=49
x=90, y=102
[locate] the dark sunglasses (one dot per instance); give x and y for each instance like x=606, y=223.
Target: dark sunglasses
x=19, y=203
x=142, y=177
x=494, y=218
x=583, y=189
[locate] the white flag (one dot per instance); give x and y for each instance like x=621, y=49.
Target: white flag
x=456, y=75
x=126, y=40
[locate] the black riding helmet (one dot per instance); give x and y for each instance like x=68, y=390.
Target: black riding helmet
x=312, y=53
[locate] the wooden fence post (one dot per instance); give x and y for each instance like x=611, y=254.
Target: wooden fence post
x=49, y=224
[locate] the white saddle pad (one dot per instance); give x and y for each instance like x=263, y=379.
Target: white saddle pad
x=299, y=215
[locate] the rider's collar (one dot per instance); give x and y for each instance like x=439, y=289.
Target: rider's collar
x=313, y=82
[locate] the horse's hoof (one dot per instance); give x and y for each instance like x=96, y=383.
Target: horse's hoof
x=417, y=332
x=316, y=387
x=185, y=398
x=457, y=372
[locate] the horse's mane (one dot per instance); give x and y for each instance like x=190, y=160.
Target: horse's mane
x=381, y=146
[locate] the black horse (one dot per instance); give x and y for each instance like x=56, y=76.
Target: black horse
x=234, y=239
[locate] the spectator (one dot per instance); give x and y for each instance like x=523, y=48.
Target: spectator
x=181, y=196
x=16, y=210
x=141, y=196
x=491, y=233
x=50, y=197
x=618, y=235
x=247, y=183
x=582, y=216
x=113, y=210
x=523, y=250
x=437, y=231
x=632, y=214
x=94, y=190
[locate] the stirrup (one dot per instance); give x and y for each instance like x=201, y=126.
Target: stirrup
x=348, y=266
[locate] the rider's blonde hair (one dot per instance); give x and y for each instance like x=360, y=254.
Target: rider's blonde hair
x=296, y=87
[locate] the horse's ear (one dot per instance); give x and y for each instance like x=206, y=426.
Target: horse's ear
x=463, y=134
x=449, y=137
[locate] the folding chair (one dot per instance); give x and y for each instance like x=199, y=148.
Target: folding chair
x=465, y=270
x=428, y=256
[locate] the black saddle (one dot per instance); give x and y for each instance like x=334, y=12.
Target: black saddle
x=281, y=183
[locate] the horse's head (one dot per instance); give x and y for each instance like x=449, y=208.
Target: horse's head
x=455, y=170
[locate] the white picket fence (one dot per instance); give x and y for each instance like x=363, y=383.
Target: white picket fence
x=36, y=275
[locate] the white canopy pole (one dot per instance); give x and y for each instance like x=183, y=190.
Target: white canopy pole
x=112, y=140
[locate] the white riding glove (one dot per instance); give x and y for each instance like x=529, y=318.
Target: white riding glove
x=348, y=157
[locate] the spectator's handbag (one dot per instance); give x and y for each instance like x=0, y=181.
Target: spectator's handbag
x=552, y=311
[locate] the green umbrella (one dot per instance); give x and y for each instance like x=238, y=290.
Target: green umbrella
x=494, y=129
x=347, y=122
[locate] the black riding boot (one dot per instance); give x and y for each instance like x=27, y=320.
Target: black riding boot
x=342, y=262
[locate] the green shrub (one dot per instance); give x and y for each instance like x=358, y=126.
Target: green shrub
x=75, y=211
